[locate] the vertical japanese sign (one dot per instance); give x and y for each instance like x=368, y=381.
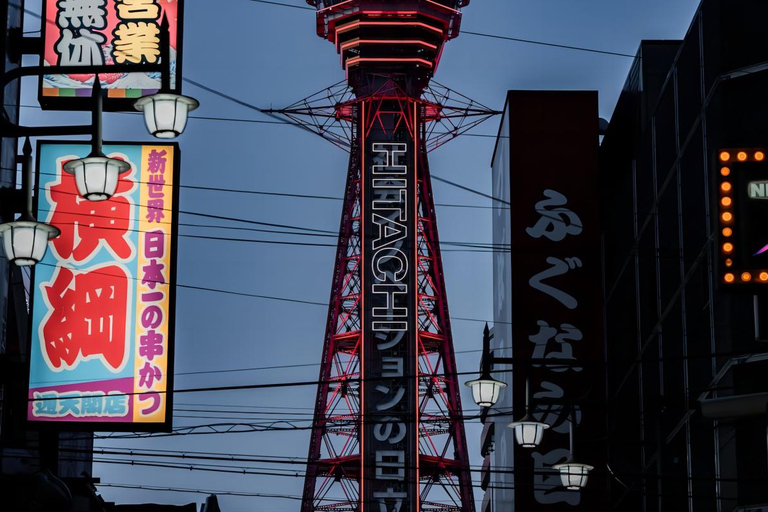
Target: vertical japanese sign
x=102, y=301
x=390, y=409
x=103, y=32
x=742, y=208
x=556, y=286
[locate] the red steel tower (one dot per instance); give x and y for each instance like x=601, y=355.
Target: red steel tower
x=388, y=434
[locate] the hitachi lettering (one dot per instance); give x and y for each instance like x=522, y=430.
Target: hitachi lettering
x=390, y=216
x=389, y=312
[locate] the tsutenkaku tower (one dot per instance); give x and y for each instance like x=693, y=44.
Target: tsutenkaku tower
x=388, y=432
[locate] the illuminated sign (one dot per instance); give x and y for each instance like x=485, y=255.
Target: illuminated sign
x=102, y=299
x=742, y=211
x=390, y=357
x=103, y=32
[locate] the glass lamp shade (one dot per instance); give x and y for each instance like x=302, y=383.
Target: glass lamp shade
x=25, y=241
x=573, y=474
x=165, y=114
x=528, y=431
x=486, y=390
x=96, y=175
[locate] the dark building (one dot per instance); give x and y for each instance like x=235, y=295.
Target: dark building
x=686, y=386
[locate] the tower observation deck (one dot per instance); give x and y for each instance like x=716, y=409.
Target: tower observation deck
x=402, y=38
x=388, y=431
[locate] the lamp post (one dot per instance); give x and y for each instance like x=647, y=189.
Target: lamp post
x=485, y=389
x=25, y=239
x=166, y=113
x=528, y=431
x=96, y=176
x=573, y=474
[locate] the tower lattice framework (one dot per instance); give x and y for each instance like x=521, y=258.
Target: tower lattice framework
x=388, y=432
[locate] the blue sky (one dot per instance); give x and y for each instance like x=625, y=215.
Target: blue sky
x=270, y=56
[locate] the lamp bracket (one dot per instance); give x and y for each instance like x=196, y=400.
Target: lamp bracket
x=19, y=45
x=12, y=201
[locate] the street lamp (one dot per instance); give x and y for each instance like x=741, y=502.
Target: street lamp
x=486, y=390
x=25, y=240
x=165, y=112
x=573, y=474
x=528, y=431
x=96, y=175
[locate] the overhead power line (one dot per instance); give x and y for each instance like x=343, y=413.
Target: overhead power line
x=483, y=34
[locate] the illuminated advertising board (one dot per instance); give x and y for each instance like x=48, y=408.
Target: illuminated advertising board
x=102, y=299
x=556, y=298
x=104, y=32
x=742, y=210
x=390, y=358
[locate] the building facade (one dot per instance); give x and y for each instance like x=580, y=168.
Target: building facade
x=686, y=400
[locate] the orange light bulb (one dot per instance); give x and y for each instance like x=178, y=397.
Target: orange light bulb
x=746, y=276
x=726, y=201
x=729, y=262
x=759, y=156
x=725, y=156
x=729, y=278
x=764, y=276
x=727, y=232
x=727, y=247
x=725, y=187
x=725, y=171
x=727, y=216
x=741, y=156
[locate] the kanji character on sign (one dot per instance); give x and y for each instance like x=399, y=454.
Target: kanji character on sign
x=82, y=13
x=92, y=405
x=156, y=161
x=81, y=50
x=87, y=224
x=151, y=345
x=154, y=244
x=154, y=406
x=137, y=9
x=45, y=404
x=116, y=404
x=550, y=408
x=148, y=374
x=552, y=223
x=153, y=274
x=558, y=267
x=542, y=339
x=136, y=42
x=86, y=318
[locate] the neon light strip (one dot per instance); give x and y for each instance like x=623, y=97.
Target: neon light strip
x=358, y=60
x=356, y=42
x=416, y=282
x=333, y=6
x=761, y=251
x=362, y=310
x=356, y=24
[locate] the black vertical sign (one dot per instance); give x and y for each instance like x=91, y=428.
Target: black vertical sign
x=556, y=291
x=389, y=451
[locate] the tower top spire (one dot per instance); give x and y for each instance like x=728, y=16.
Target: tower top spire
x=396, y=38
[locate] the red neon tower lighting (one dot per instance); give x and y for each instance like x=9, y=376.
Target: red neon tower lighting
x=388, y=433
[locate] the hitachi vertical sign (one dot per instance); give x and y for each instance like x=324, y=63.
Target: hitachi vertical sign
x=389, y=442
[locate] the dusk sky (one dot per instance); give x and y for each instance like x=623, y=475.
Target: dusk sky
x=270, y=56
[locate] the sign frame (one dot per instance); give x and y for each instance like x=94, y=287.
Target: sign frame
x=112, y=103
x=729, y=201
x=109, y=426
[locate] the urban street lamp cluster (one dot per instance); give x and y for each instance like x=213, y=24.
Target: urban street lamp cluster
x=97, y=175
x=529, y=432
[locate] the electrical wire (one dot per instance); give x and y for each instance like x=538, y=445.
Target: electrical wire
x=483, y=34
